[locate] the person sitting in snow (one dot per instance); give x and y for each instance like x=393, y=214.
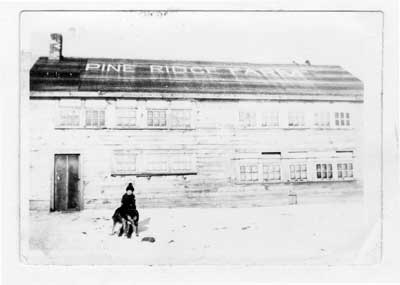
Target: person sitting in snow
x=128, y=202
x=128, y=212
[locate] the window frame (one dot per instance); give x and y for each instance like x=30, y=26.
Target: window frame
x=322, y=120
x=324, y=169
x=169, y=159
x=119, y=171
x=342, y=121
x=266, y=119
x=98, y=110
x=296, y=115
x=250, y=166
x=63, y=108
x=301, y=179
x=348, y=168
x=172, y=118
x=272, y=165
x=117, y=117
x=250, y=115
x=157, y=110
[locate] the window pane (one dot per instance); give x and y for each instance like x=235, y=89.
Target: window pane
x=88, y=118
x=125, y=161
x=247, y=119
x=271, y=172
x=298, y=171
x=95, y=118
x=294, y=119
x=179, y=118
x=126, y=116
x=69, y=116
x=156, y=118
x=304, y=174
x=292, y=176
x=101, y=119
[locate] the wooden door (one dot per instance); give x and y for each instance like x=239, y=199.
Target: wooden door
x=66, y=182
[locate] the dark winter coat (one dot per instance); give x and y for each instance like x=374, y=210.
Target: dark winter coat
x=128, y=202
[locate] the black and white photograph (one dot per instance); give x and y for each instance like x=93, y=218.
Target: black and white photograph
x=218, y=142
x=188, y=138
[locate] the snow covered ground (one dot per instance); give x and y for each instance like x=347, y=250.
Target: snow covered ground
x=331, y=233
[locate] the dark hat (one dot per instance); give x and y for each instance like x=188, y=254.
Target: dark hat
x=130, y=187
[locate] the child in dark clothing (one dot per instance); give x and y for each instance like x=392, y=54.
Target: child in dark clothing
x=128, y=210
x=127, y=214
x=128, y=201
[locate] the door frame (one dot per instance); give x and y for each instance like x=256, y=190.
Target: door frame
x=80, y=183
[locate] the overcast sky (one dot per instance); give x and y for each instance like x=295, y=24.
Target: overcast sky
x=351, y=40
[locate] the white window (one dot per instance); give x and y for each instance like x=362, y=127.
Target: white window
x=271, y=172
x=345, y=170
x=181, y=162
x=95, y=118
x=125, y=117
x=270, y=119
x=69, y=116
x=298, y=172
x=296, y=119
x=322, y=119
x=157, y=118
x=124, y=161
x=156, y=163
x=165, y=162
x=342, y=119
x=324, y=171
x=247, y=119
x=249, y=173
x=180, y=118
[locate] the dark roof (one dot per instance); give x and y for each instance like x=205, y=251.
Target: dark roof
x=222, y=79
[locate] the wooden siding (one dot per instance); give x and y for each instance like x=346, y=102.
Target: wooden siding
x=216, y=139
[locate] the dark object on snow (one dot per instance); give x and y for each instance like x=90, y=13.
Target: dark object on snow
x=128, y=219
x=128, y=202
x=84, y=233
x=245, y=228
x=130, y=187
x=149, y=239
x=171, y=241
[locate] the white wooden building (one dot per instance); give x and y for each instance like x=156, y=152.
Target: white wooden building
x=188, y=134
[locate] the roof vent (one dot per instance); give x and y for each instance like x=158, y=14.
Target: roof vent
x=55, y=47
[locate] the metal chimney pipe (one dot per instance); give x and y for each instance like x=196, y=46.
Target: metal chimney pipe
x=55, y=47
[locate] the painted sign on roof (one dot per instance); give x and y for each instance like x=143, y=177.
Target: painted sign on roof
x=124, y=75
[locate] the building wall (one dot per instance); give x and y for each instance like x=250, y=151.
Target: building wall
x=218, y=141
